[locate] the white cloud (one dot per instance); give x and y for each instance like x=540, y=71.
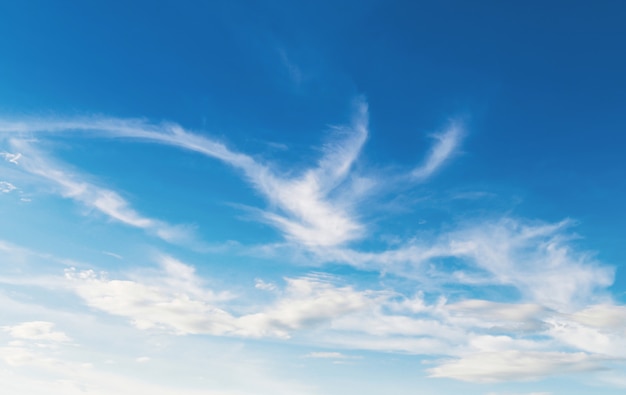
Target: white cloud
x=379, y=323
x=33, y=372
x=497, y=311
x=604, y=336
x=602, y=316
x=528, y=256
x=9, y=157
x=176, y=302
x=75, y=186
x=613, y=378
x=112, y=254
x=305, y=212
x=36, y=330
x=295, y=73
x=173, y=302
x=514, y=366
x=416, y=345
x=327, y=355
x=500, y=341
x=533, y=258
x=447, y=144
x=265, y=286
x=307, y=302
x=101, y=359
x=519, y=261
x=509, y=317
x=314, y=208
x=6, y=187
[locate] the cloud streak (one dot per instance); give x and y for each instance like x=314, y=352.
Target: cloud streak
x=36, y=330
x=529, y=256
x=515, y=366
x=74, y=186
x=447, y=143
x=316, y=208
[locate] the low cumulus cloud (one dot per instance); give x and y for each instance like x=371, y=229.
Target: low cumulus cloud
x=36, y=330
x=484, y=341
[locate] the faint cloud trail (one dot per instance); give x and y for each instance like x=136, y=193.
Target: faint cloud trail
x=446, y=145
x=74, y=186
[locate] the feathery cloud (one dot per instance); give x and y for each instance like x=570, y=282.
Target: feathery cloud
x=75, y=186
x=12, y=158
x=315, y=208
x=529, y=256
x=446, y=145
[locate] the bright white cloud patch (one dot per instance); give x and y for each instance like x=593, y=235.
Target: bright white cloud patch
x=175, y=302
x=6, y=187
x=36, y=330
x=172, y=302
x=307, y=302
x=487, y=341
x=514, y=365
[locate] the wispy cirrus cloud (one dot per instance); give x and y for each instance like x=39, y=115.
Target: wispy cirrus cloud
x=315, y=208
x=447, y=143
x=12, y=158
x=529, y=256
x=295, y=73
x=7, y=187
x=75, y=186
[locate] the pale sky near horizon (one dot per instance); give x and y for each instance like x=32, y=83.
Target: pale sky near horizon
x=312, y=198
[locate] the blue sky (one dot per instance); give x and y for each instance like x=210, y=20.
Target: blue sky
x=278, y=198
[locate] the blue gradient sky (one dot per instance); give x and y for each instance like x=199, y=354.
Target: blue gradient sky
x=280, y=198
